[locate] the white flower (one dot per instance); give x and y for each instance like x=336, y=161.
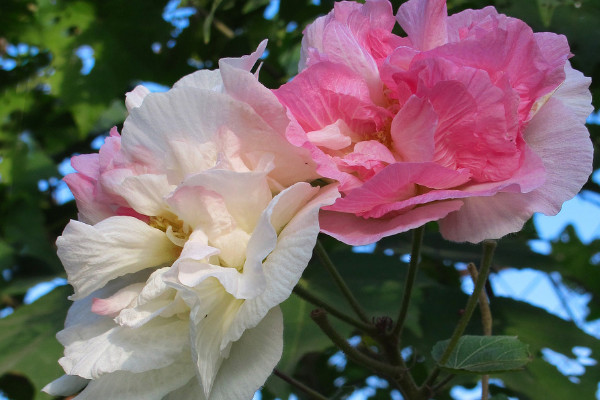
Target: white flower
x=198, y=223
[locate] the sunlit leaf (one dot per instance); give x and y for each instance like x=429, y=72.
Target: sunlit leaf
x=483, y=354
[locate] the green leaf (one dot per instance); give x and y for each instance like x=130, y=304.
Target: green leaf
x=484, y=354
x=27, y=343
x=540, y=329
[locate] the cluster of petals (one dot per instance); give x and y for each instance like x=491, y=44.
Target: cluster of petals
x=194, y=225
x=472, y=119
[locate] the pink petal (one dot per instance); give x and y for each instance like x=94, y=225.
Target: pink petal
x=413, y=130
x=461, y=23
x=396, y=184
x=342, y=47
x=112, y=305
x=358, y=231
x=84, y=190
x=331, y=92
x=563, y=143
x=574, y=93
x=87, y=164
x=564, y=146
x=425, y=22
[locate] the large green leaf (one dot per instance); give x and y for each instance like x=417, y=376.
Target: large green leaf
x=27, y=343
x=483, y=354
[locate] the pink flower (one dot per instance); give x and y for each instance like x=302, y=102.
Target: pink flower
x=472, y=120
x=195, y=225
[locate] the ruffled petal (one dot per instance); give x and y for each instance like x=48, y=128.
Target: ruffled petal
x=94, y=350
x=90, y=210
x=112, y=305
x=251, y=360
x=93, y=255
x=574, y=93
x=249, y=365
x=562, y=142
x=146, y=193
x=295, y=218
x=358, y=231
x=425, y=22
x=413, y=130
x=154, y=384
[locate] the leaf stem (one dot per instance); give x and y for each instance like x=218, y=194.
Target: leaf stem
x=309, y=297
x=484, y=306
x=299, y=385
x=488, y=253
x=486, y=321
x=413, y=266
x=328, y=264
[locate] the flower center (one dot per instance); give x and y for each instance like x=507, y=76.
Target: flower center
x=176, y=230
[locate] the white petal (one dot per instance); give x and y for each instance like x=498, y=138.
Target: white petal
x=212, y=312
x=172, y=117
x=246, y=62
x=146, y=193
x=156, y=298
x=151, y=385
x=79, y=313
x=93, y=255
x=134, y=98
x=66, y=385
x=246, y=208
x=190, y=391
x=251, y=360
x=202, y=209
x=193, y=267
x=183, y=159
x=249, y=365
x=295, y=218
x=92, y=351
x=203, y=79
x=244, y=86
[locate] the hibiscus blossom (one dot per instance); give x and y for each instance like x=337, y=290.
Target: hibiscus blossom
x=471, y=119
x=194, y=225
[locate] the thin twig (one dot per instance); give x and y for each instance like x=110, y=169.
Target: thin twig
x=561, y=297
x=410, y=280
x=488, y=254
x=309, y=297
x=486, y=321
x=443, y=383
x=339, y=281
x=320, y=317
x=398, y=374
x=299, y=385
x=484, y=306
